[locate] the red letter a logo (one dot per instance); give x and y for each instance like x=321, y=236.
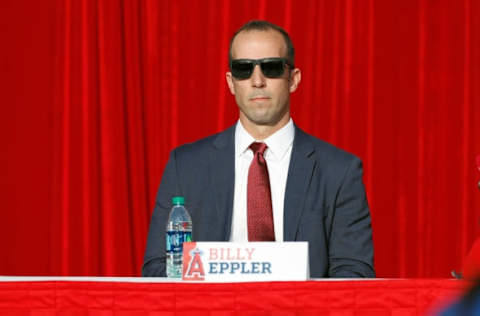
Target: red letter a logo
x=195, y=267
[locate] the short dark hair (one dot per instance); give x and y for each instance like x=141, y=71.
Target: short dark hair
x=261, y=25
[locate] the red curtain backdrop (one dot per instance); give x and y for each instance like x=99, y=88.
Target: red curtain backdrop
x=96, y=93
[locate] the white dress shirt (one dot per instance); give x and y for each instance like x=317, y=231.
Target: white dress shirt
x=277, y=156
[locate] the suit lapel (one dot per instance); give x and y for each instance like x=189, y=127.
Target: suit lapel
x=298, y=181
x=222, y=166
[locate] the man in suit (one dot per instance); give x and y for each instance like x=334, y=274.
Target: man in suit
x=313, y=191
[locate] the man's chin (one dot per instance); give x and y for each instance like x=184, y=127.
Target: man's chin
x=262, y=120
x=262, y=117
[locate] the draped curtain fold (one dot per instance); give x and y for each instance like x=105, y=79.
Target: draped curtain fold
x=117, y=84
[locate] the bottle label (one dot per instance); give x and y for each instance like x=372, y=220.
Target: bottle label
x=187, y=236
x=175, y=240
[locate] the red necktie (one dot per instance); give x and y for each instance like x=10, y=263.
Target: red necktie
x=259, y=199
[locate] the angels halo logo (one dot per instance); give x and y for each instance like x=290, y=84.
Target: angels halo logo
x=193, y=270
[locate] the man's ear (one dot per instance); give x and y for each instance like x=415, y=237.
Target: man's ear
x=228, y=76
x=295, y=78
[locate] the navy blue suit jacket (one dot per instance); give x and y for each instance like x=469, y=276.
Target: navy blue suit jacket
x=325, y=203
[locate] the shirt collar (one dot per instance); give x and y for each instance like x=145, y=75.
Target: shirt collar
x=242, y=139
x=278, y=143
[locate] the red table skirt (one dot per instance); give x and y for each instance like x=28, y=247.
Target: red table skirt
x=332, y=298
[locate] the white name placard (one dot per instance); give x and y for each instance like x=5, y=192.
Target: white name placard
x=249, y=261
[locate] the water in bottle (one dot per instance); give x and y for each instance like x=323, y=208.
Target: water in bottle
x=179, y=230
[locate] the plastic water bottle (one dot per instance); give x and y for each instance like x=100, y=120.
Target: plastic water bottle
x=179, y=230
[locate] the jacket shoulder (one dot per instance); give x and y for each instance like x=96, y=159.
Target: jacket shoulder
x=202, y=147
x=327, y=153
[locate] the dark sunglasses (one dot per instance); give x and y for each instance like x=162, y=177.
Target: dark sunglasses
x=272, y=67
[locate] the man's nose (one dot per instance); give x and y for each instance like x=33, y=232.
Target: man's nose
x=258, y=79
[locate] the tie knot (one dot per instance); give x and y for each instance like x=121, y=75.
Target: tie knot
x=258, y=147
